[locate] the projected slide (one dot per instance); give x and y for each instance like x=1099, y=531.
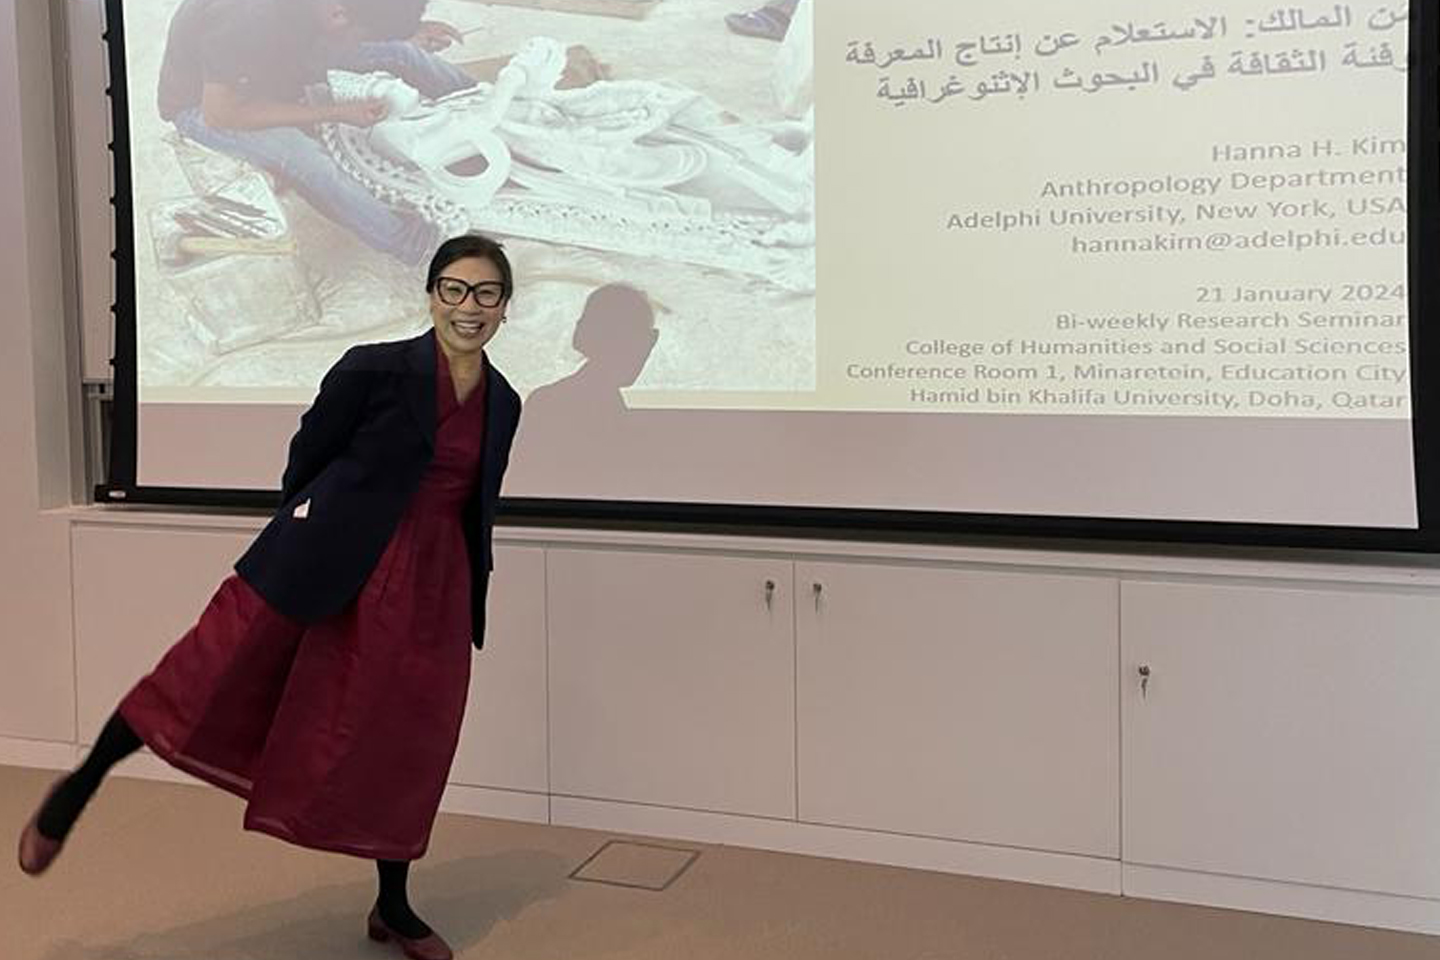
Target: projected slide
x=1118, y=208
x=808, y=252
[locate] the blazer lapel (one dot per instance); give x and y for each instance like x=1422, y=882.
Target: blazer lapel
x=494, y=424
x=420, y=387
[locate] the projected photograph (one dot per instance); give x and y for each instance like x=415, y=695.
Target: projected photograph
x=289, y=188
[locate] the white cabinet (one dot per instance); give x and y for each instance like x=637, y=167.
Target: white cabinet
x=503, y=742
x=960, y=704
x=1284, y=734
x=137, y=591
x=672, y=680
x=1284, y=755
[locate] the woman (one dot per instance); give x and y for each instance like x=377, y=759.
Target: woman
x=325, y=682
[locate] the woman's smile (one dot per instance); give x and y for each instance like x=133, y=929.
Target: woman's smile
x=468, y=328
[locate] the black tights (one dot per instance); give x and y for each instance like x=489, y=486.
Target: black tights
x=117, y=741
x=394, y=904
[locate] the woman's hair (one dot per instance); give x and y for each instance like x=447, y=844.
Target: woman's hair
x=471, y=245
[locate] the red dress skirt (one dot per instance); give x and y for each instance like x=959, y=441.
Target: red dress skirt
x=340, y=735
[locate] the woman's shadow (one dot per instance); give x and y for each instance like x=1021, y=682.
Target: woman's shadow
x=581, y=422
x=464, y=899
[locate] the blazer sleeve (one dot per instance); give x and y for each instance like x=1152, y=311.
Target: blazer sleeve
x=327, y=427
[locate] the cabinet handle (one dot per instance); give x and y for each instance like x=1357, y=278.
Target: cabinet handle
x=769, y=594
x=817, y=589
x=1144, y=680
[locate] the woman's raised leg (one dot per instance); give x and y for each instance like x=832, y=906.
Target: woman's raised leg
x=46, y=832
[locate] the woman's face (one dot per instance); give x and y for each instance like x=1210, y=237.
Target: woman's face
x=467, y=306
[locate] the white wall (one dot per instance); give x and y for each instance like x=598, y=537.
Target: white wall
x=36, y=646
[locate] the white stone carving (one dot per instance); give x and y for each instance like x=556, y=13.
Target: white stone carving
x=632, y=166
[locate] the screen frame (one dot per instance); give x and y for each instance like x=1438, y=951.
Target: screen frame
x=1423, y=204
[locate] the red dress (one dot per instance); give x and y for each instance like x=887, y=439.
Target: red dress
x=339, y=735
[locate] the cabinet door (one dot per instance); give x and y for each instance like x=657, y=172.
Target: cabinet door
x=672, y=680
x=137, y=591
x=1284, y=734
x=502, y=744
x=961, y=704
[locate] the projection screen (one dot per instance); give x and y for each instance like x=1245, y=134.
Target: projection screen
x=1115, y=260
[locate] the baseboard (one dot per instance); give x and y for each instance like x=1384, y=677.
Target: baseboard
x=39, y=754
x=499, y=804
x=918, y=853
x=1410, y=914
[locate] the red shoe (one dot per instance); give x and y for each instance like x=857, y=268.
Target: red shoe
x=426, y=948
x=38, y=851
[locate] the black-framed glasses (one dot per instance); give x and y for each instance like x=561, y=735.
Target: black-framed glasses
x=452, y=292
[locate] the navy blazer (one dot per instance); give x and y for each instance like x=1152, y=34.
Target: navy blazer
x=356, y=462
